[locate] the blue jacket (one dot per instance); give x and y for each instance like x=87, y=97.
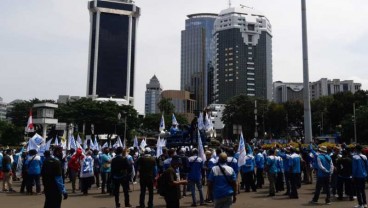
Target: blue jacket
x=196, y=166
x=233, y=162
x=294, y=163
x=260, y=161
x=360, y=166
x=285, y=159
x=279, y=164
x=249, y=164
x=34, y=166
x=271, y=162
x=325, y=166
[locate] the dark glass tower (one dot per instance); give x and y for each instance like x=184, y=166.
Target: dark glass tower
x=196, y=56
x=243, y=58
x=111, y=64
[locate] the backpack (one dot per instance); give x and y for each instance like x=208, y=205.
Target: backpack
x=162, y=184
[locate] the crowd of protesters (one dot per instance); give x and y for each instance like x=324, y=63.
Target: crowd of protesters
x=340, y=172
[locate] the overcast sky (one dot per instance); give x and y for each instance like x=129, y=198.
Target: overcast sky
x=44, y=43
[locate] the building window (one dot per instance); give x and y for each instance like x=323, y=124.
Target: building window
x=251, y=27
x=250, y=38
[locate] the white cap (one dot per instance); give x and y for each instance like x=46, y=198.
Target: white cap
x=147, y=150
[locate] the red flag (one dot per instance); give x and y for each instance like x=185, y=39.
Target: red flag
x=30, y=127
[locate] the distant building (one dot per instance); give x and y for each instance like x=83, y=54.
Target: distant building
x=196, y=56
x=215, y=111
x=324, y=87
x=3, y=107
x=243, y=55
x=10, y=106
x=152, y=97
x=182, y=102
x=67, y=98
x=111, y=66
x=283, y=92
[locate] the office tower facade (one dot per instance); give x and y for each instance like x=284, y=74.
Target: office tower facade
x=153, y=96
x=3, y=109
x=111, y=66
x=243, y=57
x=196, y=56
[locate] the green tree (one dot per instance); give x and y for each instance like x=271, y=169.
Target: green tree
x=10, y=134
x=165, y=105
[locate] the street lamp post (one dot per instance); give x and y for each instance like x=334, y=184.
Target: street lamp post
x=125, y=126
x=354, y=119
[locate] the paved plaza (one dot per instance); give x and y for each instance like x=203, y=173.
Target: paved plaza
x=257, y=199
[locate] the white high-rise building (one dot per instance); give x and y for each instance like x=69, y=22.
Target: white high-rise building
x=3, y=110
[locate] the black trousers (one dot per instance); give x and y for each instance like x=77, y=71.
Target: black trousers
x=287, y=181
x=172, y=203
x=280, y=182
x=146, y=183
x=359, y=185
x=325, y=183
x=106, y=182
x=124, y=182
x=294, y=185
x=260, y=179
x=347, y=182
x=249, y=181
x=52, y=199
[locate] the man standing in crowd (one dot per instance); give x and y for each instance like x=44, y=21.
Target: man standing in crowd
x=294, y=165
x=105, y=160
x=52, y=181
x=147, y=170
x=222, y=183
x=120, y=170
x=172, y=195
x=194, y=177
x=344, y=176
x=86, y=172
x=360, y=170
x=33, y=165
x=271, y=170
x=7, y=171
x=74, y=167
x=325, y=169
x=259, y=159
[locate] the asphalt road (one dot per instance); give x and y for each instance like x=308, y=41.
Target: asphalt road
x=257, y=199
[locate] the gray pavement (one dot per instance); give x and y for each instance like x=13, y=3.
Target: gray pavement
x=257, y=199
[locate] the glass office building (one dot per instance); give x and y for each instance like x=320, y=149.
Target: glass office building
x=243, y=57
x=111, y=66
x=196, y=56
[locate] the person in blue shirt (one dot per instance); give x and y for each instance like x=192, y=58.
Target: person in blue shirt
x=271, y=167
x=33, y=166
x=294, y=166
x=285, y=155
x=280, y=174
x=248, y=171
x=359, y=173
x=222, y=183
x=194, y=177
x=325, y=169
x=105, y=166
x=260, y=161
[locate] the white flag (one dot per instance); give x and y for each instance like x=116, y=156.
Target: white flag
x=48, y=144
x=95, y=144
x=143, y=144
x=105, y=145
x=241, y=151
x=174, y=121
x=135, y=143
x=200, y=121
x=201, y=153
x=56, y=143
x=158, y=147
x=162, y=123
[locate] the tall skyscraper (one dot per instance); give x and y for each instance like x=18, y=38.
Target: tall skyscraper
x=111, y=64
x=243, y=57
x=153, y=96
x=196, y=56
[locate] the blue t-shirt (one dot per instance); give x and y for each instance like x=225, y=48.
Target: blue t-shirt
x=105, y=161
x=221, y=188
x=34, y=165
x=294, y=163
x=249, y=164
x=259, y=161
x=196, y=166
x=271, y=162
x=360, y=166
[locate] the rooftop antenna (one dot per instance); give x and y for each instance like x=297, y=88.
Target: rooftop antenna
x=229, y=3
